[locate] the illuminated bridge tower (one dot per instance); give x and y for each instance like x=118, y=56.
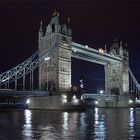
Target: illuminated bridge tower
x=55, y=72
x=117, y=74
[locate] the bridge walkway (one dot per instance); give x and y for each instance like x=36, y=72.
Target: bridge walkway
x=4, y=93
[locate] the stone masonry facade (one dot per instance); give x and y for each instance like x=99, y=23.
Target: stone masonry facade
x=55, y=73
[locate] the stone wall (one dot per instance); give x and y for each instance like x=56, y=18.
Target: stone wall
x=55, y=73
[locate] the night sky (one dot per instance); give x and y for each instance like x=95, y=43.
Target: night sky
x=95, y=23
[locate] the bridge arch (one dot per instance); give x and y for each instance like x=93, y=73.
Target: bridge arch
x=115, y=91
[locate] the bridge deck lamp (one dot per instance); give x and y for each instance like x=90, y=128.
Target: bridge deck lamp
x=101, y=50
x=27, y=101
x=101, y=91
x=96, y=102
x=74, y=97
x=130, y=101
x=86, y=46
x=64, y=96
x=47, y=58
x=137, y=101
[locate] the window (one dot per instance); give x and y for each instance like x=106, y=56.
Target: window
x=53, y=28
x=113, y=70
x=64, y=38
x=48, y=69
x=113, y=79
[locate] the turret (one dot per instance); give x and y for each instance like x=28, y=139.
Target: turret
x=69, y=30
x=55, y=27
x=114, y=50
x=40, y=34
x=126, y=51
x=121, y=49
x=105, y=49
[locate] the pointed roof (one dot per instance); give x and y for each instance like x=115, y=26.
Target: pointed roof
x=41, y=28
x=55, y=18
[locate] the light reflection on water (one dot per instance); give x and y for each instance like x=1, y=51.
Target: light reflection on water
x=27, y=127
x=93, y=124
x=99, y=126
x=131, y=123
x=65, y=119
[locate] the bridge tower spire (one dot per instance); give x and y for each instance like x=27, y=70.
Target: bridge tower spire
x=55, y=73
x=40, y=34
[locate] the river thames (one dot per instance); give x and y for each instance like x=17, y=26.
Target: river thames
x=91, y=124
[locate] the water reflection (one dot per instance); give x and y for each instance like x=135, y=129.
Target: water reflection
x=96, y=124
x=93, y=124
x=83, y=120
x=73, y=123
x=99, y=125
x=27, y=127
x=131, y=123
x=65, y=120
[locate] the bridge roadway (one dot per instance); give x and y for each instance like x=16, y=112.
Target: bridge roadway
x=99, y=97
x=92, y=55
x=4, y=93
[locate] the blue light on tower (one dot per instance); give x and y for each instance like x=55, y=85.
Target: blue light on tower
x=82, y=82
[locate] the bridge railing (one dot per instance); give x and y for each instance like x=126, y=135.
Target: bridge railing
x=23, y=93
x=10, y=73
x=99, y=97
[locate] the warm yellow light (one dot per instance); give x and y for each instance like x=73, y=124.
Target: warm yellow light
x=101, y=51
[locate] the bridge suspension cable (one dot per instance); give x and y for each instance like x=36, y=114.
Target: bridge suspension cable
x=134, y=85
x=26, y=67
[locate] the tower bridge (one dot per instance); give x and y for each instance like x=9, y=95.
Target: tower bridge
x=53, y=59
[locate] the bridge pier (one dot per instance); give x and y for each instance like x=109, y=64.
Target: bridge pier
x=56, y=102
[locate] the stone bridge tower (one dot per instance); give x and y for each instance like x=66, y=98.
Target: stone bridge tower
x=116, y=74
x=55, y=72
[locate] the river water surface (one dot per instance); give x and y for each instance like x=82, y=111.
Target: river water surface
x=92, y=124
